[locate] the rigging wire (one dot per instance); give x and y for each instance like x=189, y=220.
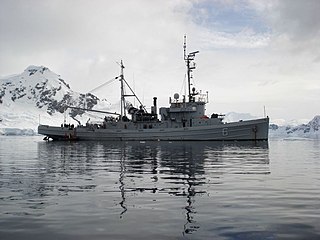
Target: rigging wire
x=104, y=84
x=183, y=87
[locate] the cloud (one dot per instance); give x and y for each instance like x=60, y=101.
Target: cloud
x=299, y=20
x=295, y=24
x=250, y=51
x=230, y=16
x=73, y=36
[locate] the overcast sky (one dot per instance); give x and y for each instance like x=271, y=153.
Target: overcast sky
x=252, y=53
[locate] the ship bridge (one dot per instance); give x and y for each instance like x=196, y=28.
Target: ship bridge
x=182, y=111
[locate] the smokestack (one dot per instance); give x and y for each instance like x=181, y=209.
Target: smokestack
x=155, y=105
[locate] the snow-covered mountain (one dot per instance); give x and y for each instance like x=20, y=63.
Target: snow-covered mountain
x=287, y=129
x=45, y=89
x=234, y=117
x=309, y=130
x=39, y=94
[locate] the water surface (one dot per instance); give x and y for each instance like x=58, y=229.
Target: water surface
x=159, y=190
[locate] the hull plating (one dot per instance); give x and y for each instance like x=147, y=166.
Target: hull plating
x=244, y=130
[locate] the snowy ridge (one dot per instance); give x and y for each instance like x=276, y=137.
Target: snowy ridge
x=234, y=117
x=286, y=129
x=45, y=89
x=309, y=130
x=39, y=95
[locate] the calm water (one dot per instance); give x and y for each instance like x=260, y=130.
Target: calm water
x=159, y=190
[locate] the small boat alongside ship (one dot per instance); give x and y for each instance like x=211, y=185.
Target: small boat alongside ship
x=184, y=120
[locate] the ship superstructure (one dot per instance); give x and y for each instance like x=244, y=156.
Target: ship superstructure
x=184, y=119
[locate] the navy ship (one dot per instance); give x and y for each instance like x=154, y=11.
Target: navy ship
x=184, y=119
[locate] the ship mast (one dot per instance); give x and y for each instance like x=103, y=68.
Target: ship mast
x=122, y=102
x=123, y=82
x=190, y=66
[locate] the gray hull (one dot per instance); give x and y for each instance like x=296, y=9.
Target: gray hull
x=244, y=130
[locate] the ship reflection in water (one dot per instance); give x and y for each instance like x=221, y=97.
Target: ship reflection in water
x=150, y=180
x=158, y=190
